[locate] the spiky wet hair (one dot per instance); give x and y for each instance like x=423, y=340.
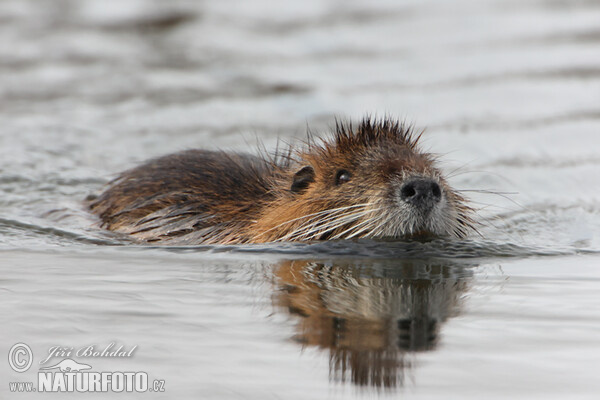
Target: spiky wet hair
x=373, y=132
x=346, y=138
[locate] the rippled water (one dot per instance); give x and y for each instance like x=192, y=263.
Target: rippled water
x=509, y=92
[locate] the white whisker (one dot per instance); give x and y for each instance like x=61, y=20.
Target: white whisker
x=368, y=222
x=310, y=231
x=330, y=211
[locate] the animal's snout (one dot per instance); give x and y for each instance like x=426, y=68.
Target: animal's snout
x=421, y=192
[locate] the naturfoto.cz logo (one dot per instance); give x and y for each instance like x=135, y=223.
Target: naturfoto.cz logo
x=68, y=375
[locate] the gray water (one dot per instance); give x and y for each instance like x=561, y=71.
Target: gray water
x=509, y=94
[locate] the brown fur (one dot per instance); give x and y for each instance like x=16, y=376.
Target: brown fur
x=208, y=197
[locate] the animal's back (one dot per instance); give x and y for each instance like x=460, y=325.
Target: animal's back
x=189, y=196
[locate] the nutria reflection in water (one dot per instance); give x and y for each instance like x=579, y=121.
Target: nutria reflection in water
x=370, y=316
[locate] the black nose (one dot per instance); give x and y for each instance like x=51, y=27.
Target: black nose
x=421, y=192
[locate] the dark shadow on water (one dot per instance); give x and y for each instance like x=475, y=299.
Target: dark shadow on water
x=370, y=316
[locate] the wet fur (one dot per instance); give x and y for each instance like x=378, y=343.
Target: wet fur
x=200, y=196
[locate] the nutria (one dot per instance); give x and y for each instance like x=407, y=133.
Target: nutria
x=368, y=181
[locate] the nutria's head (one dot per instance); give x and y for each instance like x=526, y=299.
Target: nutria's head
x=368, y=181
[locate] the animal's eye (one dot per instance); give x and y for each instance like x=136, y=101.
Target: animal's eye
x=342, y=176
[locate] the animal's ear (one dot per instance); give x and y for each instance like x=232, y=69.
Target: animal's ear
x=302, y=179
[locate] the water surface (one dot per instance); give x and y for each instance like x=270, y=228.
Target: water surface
x=509, y=94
